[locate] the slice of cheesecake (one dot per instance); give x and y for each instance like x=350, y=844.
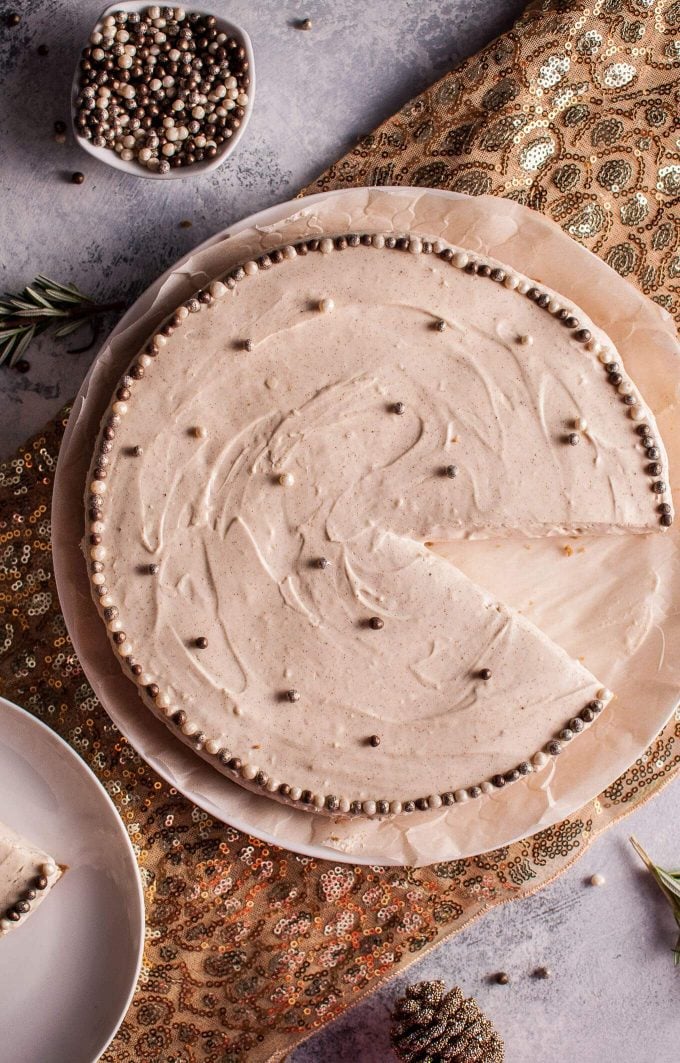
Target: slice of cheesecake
x=27, y=874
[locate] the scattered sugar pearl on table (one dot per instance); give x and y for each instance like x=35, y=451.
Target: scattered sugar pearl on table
x=399, y=408
x=326, y=306
x=485, y=674
x=286, y=479
x=374, y=740
x=199, y=431
x=573, y=439
x=580, y=424
x=376, y=623
x=451, y=471
x=525, y=340
x=597, y=879
x=293, y=694
x=201, y=643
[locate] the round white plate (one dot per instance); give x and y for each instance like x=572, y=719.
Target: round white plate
x=644, y=669
x=68, y=973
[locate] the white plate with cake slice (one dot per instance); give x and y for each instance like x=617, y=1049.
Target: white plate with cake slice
x=607, y=600
x=72, y=928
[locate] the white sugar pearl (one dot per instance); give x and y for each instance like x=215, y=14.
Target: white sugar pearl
x=523, y=287
x=145, y=360
x=174, y=55
x=326, y=306
x=182, y=132
x=286, y=479
x=434, y=801
x=172, y=135
x=155, y=84
x=625, y=388
x=597, y=879
x=368, y=807
x=48, y=869
x=539, y=760
x=460, y=259
x=108, y=21
x=511, y=281
x=97, y=527
x=98, y=553
x=289, y=252
x=604, y=356
x=217, y=289
x=438, y=246
x=153, y=12
x=106, y=600
x=128, y=93
x=395, y=807
x=525, y=340
x=344, y=804
x=96, y=37
x=295, y=793
x=486, y=787
x=636, y=413
x=125, y=61
x=326, y=245
x=128, y=141
x=181, y=312
x=554, y=306
x=5, y=925
x=125, y=649
x=580, y=424
x=461, y=796
x=168, y=150
x=168, y=81
x=230, y=83
x=98, y=54
x=198, y=111
x=219, y=93
x=200, y=140
x=163, y=700
x=115, y=625
x=594, y=346
x=212, y=746
x=144, y=154
x=249, y=771
x=99, y=579
x=378, y=240
x=250, y=268
x=604, y=694
x=242, y=99
x=159, y=340
x=199, y=431
x=415, y=245
x=122, y=36
x=121, y=408
x=168, y=122
x=144, y=679
x=318, y=801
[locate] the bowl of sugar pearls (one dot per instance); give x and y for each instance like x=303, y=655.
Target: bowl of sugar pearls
x=162, y=92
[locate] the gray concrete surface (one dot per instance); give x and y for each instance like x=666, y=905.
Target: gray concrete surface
x=614, y=994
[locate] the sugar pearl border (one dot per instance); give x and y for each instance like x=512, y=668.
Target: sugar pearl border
x=149, y=690
x=43, y=878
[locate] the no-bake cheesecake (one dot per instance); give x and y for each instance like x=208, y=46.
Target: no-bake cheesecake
x=271, y=472
x=27, y=875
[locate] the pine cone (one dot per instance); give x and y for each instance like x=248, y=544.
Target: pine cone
x=430, y=1025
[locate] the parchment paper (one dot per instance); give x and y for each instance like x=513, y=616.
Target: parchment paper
x=609, y=601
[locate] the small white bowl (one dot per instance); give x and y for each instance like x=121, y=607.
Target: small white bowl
x=111, y=158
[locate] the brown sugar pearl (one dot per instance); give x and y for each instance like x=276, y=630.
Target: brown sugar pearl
x=201, y=643
x=77, y=178
x=485, y=674
x=501, y=978
x=376, y=623
x=293, y=695
x=374, y=740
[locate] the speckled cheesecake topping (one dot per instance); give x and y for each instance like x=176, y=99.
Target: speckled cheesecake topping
x=267, y=478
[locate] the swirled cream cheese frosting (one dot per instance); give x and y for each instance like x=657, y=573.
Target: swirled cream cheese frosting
x=27, y=874
x=268, y=480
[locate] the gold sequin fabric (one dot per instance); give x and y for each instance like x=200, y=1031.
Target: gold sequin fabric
x=250, y=948
x=575, y=113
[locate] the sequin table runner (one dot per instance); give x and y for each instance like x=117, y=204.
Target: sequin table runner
x=251, y=948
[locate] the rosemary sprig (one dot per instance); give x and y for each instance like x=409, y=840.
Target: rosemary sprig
x=669, y=884
x=41, y=304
